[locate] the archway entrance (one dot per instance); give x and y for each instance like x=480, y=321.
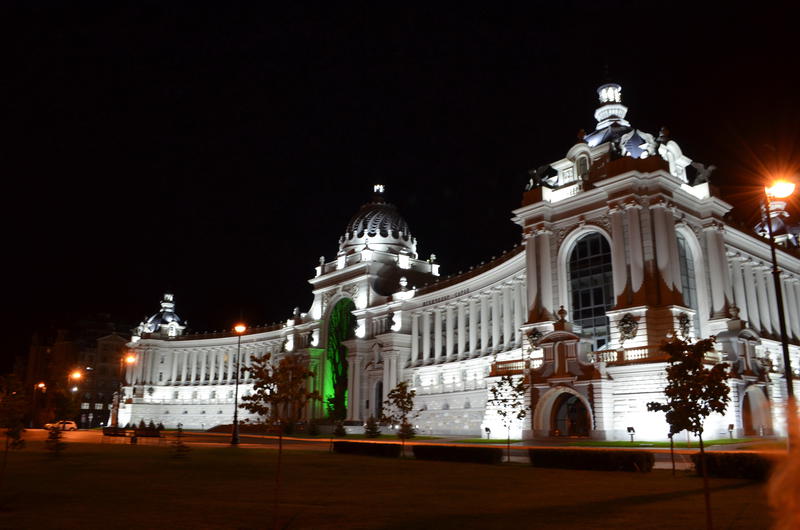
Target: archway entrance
x=756, y=418
x=569, y=416
x=378, y=408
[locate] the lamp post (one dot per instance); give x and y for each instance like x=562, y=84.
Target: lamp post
x=127, y=359
x=73, y=378
x=779, y=190
x=39, y=387
x=239, y=329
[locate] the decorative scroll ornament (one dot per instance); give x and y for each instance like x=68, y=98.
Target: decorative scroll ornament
x=534, y=336
x=684, y=325
x=628, y=327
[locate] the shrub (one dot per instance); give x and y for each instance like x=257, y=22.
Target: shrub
x=151, y=425
x=371, y=428
x=480, y=455
x=406, y=431
x=313, y=428
x=339, y=429
x=751, y=466
x=160, y=426
x=597, y=460
x=142, y=424
x=367, y=449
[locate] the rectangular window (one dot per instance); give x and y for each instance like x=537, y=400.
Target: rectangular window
x=85, y=406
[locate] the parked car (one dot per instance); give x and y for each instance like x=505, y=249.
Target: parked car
x=64, y=425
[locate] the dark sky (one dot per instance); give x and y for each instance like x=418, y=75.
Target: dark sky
x=217, y=152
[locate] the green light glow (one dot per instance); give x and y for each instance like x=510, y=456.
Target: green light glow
x=341, y=327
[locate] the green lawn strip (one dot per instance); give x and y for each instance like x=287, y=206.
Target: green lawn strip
x=495, y=441
x=638, y=445
x=124, y=486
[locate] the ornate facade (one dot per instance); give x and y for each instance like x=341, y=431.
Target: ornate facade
x=624, y=243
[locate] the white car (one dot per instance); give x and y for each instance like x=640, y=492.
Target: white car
x=64, y=425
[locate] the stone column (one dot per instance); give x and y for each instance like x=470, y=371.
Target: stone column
x=231, y=363
x=437, y=334
x=184, y=365
x=739, y=296
x=193, y=366
x=792, y=286
x=773, y=303
x=449, y=331
x=519, y=310
x=619, y=270
x=484, y=322
x=753, y=316
x=353, y=387
x=389, y=372
x=545, y=274
x=462, y=329
x=473, y=325
x=414, y=338
x=763, y=298
x=203, y=366
x=426, y=336
x=173, y=371
x=662, y=238
x=718, y=265
x=496, y=320
x=635, y=246
x=531, y=272
x=508, y=318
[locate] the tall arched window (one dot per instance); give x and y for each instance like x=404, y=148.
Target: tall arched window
x=591, y=287
x=688, y=283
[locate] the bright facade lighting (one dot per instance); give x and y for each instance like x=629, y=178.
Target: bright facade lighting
x=41, y=385
x=130, y=358
x=239, y=328
x=780, y=189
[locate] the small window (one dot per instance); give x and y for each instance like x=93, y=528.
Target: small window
x=160, y=376
x=176, y=395
x=85, y=406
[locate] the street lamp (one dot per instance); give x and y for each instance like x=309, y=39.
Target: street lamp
x=780, y=189
x=239, y=329
x=127, y=359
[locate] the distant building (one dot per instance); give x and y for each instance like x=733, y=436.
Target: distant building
x=623, y=243
x=92, y=347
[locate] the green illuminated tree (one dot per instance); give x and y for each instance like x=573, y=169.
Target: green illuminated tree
x=508, y=398
x=694, y=391
x=397, y=410
x=340, y=328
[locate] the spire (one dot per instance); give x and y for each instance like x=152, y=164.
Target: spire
x=611, y=109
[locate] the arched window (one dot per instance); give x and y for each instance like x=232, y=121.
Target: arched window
x=582, y=167
x=591, y=288
x=688, y=283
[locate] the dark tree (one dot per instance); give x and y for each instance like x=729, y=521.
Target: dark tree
x=280, y=394
x=397, y=410
x=371, y=428
x=693, y=392
x=13, y=408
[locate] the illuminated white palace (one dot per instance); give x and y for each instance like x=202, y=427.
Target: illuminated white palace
x=623, y=244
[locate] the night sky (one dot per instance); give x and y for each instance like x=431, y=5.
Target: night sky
x=217, y=152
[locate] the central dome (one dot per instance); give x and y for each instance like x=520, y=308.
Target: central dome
x=379, y=226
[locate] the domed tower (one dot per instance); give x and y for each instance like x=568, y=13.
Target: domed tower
x=378, y=226
x=377, y=259
x=165, y=323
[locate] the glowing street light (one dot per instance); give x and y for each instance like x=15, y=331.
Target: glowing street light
x=76, y=375
x=128, y=359
x=239, y=329
x=780, y=189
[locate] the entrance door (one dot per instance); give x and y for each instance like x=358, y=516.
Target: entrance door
x=569, y=417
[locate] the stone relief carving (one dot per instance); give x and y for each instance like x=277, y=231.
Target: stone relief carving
x=684, y=325
x=628, y=327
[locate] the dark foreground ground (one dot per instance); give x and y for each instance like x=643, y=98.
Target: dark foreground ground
x=125, y=486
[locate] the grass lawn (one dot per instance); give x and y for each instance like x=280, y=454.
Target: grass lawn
x=681, y=445
x=124, y=486
x=487, y=441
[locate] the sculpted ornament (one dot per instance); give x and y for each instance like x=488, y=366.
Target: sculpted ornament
x=628, y=327
x=684, y=325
